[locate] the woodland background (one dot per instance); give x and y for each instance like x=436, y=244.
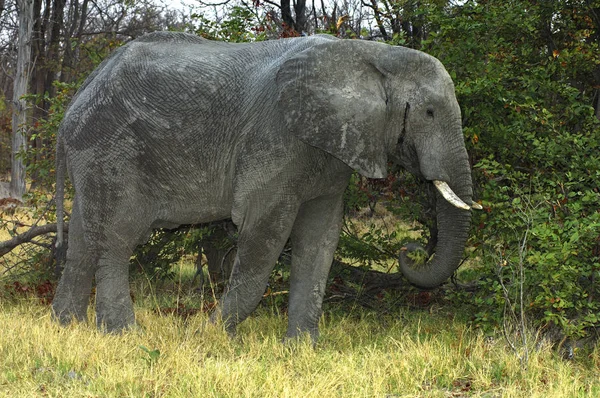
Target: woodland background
x=527, y=76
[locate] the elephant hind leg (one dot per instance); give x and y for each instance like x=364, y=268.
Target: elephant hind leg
x=110, y=239
x=114, y=305
x=73, y=292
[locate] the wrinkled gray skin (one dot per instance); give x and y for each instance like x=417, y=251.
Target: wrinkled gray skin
x=174, y=129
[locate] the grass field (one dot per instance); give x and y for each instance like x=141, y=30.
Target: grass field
x=361, y=353
x=176, y=352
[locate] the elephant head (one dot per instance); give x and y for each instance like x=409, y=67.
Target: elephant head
x=367, y=103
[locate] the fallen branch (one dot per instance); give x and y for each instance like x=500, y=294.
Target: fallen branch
x=8, y=245
x=372, y=282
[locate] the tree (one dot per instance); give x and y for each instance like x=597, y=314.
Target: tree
x=299, y=24
x=19, y=119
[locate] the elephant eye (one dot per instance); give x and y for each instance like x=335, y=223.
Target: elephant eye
x=430, y=113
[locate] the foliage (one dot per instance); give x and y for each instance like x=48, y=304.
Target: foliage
x=373, y=234
x=39, y=157
x=35, y=259
x=31, y=262
x=166, y=248
x=523, y=74
x=238, y=25
x=151, y=355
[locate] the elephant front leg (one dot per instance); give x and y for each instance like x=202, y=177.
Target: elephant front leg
x=260, y=242
x=314, y=239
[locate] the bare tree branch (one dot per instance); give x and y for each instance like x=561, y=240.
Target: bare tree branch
x=106, y=32
x=25, y=237
x=272, y=3
x=213, y=4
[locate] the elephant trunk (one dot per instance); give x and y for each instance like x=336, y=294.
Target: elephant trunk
x=453, y=228
x=453, y=224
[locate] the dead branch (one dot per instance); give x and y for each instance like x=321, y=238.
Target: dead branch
x=8, y=245
x=372, y=282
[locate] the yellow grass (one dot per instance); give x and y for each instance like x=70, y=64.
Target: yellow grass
x=361, y=354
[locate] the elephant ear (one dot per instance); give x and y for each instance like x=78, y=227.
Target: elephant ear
x=332, y=97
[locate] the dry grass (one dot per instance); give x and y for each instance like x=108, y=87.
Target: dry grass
x=361, y=354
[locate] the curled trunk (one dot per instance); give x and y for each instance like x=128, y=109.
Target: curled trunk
x=453, y=224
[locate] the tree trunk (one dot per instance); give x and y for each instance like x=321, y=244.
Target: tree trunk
x=38, y=72
x=286, y=14
x=300, y=11
x=378, y=19
x=53, y=56
x=19, y=117
x=71, y=55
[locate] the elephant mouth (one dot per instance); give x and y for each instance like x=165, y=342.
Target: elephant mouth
x=452, y=198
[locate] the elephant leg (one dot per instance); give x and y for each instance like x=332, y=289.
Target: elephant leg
x=314, y=238
x=260, y=242
x=114, y=306
x=73, y=292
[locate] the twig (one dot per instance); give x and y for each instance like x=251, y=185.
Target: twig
x=272, y=3
x=509, y=312
x=213, y=4
x=41, y=244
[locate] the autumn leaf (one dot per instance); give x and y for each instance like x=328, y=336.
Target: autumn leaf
x=341, y=20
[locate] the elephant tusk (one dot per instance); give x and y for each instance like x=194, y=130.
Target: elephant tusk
x=476, y=206
x=450, y=196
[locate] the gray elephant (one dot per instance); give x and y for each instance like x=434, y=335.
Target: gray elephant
x=175, y=129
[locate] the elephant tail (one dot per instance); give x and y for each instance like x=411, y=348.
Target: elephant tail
x=61, y=166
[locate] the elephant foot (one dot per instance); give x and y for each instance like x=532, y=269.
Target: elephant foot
x=115, y=316
x=299, y=340
x=298, y=336
x=66, y=317
x=65, y=310
x=115, y=323
x=228, y=324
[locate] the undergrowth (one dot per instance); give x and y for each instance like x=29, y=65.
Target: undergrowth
x=174, y=351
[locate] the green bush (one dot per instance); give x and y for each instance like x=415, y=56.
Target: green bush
x=525, y=87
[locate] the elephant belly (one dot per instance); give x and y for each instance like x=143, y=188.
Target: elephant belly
x=202, y=215
x=191, y=203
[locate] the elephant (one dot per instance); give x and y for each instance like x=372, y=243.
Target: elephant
x=219, y=249
x=175, y=129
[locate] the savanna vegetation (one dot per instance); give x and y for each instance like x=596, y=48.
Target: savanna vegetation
x=430, y=352
x=520, y=318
